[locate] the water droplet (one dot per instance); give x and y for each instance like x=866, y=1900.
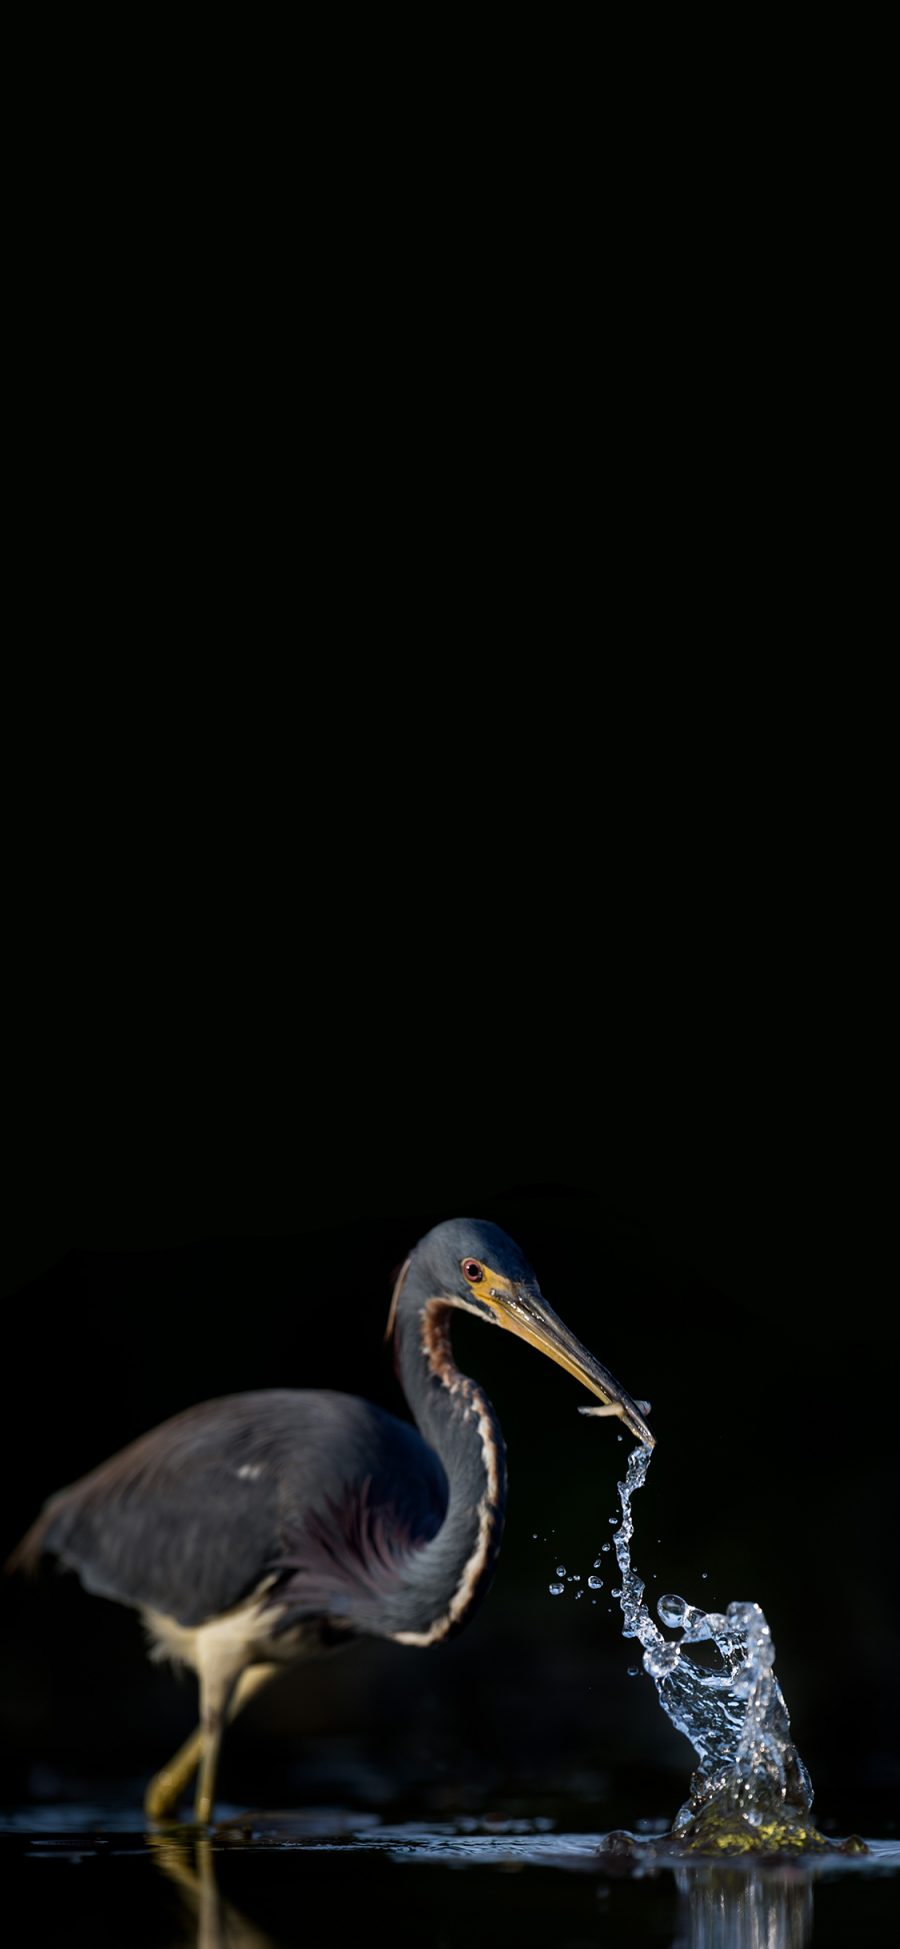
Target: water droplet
x=556, y=1590
x=671, y=1610
x=618, y=1437
x=560, y=1569
x=612, y=1519
x=604, y=1546
x=578, y=1593
x=615, y=1593
x=595, y=1583
x=633, y=1671
x=578, y=1576
x=534, y=1536
x=704, y=1574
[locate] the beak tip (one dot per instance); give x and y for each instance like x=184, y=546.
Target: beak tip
x=614, y=1412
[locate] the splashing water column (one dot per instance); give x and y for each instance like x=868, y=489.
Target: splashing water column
x=751, y=1791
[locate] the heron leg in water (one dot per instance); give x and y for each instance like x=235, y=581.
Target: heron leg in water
x=217, y=1688
x=168, y=1785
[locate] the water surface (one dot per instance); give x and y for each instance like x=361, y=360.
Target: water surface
x=261, y=1881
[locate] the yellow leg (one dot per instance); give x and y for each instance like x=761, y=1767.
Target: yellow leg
x=168, y=1785
x=216, y=1693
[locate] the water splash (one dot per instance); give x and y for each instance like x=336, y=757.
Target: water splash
x=751, y=1789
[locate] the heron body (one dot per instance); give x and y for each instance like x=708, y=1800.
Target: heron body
x=258, y=1529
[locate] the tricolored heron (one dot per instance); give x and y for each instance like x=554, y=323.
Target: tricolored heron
x=254, y=1530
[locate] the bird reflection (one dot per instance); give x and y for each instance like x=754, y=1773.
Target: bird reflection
x=214, y=1923
x=727, y=1908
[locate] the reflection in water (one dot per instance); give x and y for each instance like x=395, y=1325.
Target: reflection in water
x=723, y=1906
x=284, y=1863
x=216, y=1924
x=725, y=1909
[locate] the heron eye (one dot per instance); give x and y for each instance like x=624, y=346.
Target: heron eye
x=473, y=1270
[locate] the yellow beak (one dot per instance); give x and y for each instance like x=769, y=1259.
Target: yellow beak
x=525, y=1312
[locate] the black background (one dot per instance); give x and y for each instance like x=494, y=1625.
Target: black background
x=717, y=1230
x=610, y=965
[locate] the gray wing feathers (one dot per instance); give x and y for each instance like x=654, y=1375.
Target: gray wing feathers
x=190, y=1519
x=183, y=1521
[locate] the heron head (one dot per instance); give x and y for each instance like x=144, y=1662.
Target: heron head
x=472, y=1264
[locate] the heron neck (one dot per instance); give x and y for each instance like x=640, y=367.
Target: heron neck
x=456, y=1419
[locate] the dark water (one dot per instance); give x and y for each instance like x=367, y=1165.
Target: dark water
x=89, y=1875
